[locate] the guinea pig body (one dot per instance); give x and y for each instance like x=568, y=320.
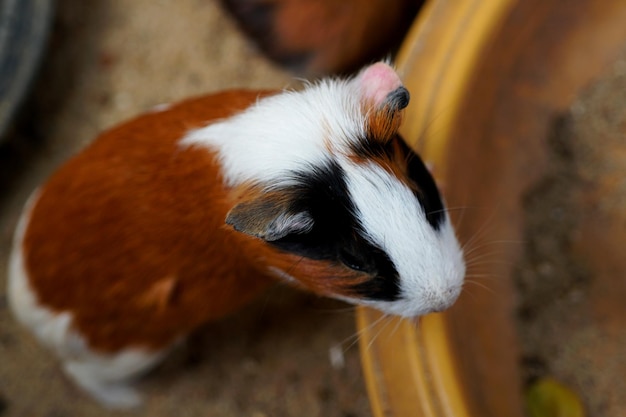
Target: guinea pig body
x=183, y=215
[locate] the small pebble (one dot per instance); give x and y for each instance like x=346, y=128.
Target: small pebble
x=336, y=356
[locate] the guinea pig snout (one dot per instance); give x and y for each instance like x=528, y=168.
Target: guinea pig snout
x=442, y=300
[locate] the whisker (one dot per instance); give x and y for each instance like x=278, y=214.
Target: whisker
x=491, y=243
x=469, y=293
x=338, y=310
x=422, y=137
x=415, y=320
x=492, y=252
x=396, y=327
x=477, y=246
x=480, y=285
x=459, y=221
x=482, y=229
x=487, y=260
x=294, y=265
x=383, y=327
x=490, y=277
x=449, y=209
x=354, y=338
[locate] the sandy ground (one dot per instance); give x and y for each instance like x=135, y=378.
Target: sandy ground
x=107, y=61
x=572, y=278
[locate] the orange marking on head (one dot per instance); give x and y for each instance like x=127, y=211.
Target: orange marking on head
x=383, y=123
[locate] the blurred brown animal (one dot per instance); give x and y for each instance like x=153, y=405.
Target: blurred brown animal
x=317, y=37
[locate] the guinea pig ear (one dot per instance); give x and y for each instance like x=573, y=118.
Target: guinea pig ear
x=269, y=219
x=383, y=98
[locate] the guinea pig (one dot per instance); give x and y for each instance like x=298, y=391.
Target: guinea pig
x=182, y=215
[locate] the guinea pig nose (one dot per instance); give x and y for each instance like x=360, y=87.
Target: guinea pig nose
x=445, y=299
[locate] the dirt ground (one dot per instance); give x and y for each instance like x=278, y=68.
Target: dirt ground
x=288, y=354
x=572, y=279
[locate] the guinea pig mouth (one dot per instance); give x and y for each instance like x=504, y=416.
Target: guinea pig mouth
x=439, y=301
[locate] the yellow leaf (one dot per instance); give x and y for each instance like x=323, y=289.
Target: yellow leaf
x=550, y=398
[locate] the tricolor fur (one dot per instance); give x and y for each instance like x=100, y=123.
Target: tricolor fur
x=182, y=215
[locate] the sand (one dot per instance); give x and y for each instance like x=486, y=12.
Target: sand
x=572, y=279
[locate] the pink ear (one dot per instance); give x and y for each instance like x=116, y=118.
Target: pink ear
x=376, y=82
x=383, y=97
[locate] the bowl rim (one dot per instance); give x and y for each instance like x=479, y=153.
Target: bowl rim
x=445, y=43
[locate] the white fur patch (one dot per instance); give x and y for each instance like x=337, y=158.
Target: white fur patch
x=429, y=262
x=285, y=133
x=105, y=377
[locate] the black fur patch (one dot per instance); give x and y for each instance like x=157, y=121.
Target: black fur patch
x=399, y=98
x=424, y=186
x=336, y=235
x=385, y=285
x=367, y=148
x=425, y=189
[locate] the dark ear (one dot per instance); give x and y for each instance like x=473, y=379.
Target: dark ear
x=268, y=218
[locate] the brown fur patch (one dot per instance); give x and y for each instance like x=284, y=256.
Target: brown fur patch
x=394, y=162
x=321, y=277
x=383, y=123
x=129, y=235
x=325, y=36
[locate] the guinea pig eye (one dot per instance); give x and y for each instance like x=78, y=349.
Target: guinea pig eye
x=352, y=261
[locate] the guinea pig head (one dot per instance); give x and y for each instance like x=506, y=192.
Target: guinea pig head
x=344, y=207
